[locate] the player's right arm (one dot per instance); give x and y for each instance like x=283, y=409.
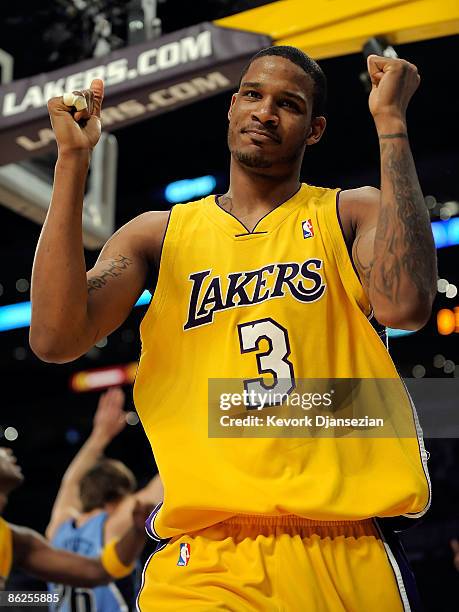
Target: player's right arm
x=72, y=309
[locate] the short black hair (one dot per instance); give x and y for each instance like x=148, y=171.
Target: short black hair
x=305, y=62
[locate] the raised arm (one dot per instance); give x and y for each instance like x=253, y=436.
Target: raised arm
x=109, y=421
x=72, y=310
x=34, y=554
x=394, y=250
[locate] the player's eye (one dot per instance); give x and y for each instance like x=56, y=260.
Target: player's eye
x=289, y=104
x=252, y=94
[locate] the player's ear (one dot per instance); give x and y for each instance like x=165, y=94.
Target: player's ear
x=318, y=125
x=233, y=100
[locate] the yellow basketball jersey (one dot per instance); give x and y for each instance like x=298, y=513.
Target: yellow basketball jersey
x=280, y=303
x=6, y=549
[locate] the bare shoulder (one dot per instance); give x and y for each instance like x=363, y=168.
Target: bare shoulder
x=362, y=196
x=358, y=207
x=144, y=234
x=150, y=220
x=148, y=226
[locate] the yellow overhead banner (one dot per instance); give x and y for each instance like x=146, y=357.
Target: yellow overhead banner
x=328, y=28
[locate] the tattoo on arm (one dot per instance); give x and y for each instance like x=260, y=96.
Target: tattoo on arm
x=404, y=247
x=391, y=136
x=363, y=268
x=114, y=268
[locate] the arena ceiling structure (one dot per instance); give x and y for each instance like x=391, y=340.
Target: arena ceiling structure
x=183, y=135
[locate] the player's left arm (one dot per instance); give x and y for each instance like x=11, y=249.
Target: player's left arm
x=394, y=249
x=33, y=553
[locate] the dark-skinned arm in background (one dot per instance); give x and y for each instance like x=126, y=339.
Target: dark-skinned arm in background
x=34, y=554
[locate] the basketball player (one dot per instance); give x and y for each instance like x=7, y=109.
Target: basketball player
x=26, y=549
x=258, y=285
x=94, y=505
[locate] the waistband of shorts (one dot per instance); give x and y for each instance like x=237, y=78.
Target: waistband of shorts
x=292, y=520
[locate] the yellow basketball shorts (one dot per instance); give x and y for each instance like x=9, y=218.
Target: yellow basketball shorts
x=270, y=564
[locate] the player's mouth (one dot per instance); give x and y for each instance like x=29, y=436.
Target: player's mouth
x=262, y=135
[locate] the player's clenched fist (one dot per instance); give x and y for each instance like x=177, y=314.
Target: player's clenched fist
x=394, y=82
x=76, y=124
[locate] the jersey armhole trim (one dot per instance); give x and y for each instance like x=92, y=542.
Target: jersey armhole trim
x=338, y=216
x=166, y=260
x=346, y=266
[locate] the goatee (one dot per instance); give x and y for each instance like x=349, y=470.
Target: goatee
x=252, y=160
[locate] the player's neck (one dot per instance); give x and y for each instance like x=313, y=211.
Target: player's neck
x=257, y=193
x=86, y=516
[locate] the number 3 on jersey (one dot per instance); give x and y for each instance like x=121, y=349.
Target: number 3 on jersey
x=274, y=361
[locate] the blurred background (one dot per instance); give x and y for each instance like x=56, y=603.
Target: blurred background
x=46, y=410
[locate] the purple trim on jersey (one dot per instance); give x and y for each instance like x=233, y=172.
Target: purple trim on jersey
x=250, y=234
x=150, y=524
x=230, y=213
x=344, y=237
x=152, y=292
x=162, y=544
x=393, y=542
x=259, y=220
x=380, y=329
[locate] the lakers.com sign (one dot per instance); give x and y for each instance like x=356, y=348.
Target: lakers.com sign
x=141, y=81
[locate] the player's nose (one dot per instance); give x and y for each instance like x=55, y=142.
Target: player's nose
x=266, y=112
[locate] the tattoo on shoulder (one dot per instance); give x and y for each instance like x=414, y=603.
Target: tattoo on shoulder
x=114, y=268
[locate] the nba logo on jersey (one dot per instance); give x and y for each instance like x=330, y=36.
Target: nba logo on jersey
x=308, y=231
x=184, y=555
